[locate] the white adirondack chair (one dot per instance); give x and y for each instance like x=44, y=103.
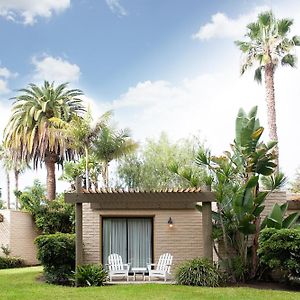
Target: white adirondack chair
x=116, y=268
x=163, y=267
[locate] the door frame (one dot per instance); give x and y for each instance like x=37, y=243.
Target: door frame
x=150, y=217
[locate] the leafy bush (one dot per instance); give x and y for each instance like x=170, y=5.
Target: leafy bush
x=56, y=253
x=10, y=262
x=198, y=272
x=90, y=275
x=50, y=216
x=279, y=249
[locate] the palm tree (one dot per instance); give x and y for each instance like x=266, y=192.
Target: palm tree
x=83, y=133
x=7, y=165
x=18, y=168
x=112, y=144
x=31, y=136
x=267, y=46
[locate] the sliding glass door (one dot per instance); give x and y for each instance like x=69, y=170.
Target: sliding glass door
x=129, y=237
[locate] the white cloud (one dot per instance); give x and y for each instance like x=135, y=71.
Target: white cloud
x=27, y=11
x=5, y=75
x=222, y=26
x=116, y=8
x=55, y=69
x=209, y=103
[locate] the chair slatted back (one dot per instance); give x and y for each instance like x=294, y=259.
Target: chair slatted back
x=164, y=262
x=115, y=262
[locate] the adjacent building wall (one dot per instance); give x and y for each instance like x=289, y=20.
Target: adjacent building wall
x=183, y=240
x=19, y=232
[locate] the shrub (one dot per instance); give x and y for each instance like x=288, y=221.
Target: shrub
x=279, y=249
x=198, y=272
x=10, y=262
x=56, y=253
x=90, y=275
x=49, y=216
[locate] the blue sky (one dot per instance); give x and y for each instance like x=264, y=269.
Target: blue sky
x=164, y=65
x=152, y=41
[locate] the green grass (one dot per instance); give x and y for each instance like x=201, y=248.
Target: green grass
x=22, y=284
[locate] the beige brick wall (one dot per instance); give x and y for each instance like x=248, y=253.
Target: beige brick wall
x=4, y=229
x=275, y=197
x=183, y=241
x=19, y=232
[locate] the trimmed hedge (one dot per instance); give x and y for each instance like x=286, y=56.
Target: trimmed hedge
x=56, y=253
x=11, y=262
x=199, y=272
x=90, y=275
x=279, y=249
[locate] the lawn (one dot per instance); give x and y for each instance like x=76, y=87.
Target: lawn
x=22, y=284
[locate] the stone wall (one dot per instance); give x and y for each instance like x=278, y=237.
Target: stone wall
x=19, y=232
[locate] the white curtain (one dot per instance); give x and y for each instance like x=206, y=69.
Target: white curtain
x=115, y=238
x=129, y=237
x=139, y=242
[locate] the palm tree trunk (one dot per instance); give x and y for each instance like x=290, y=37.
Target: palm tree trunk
x=8, y=189
x=16, y=186
x=270, y=99
x=87, y=175
x=50, y=161
x=105, y=174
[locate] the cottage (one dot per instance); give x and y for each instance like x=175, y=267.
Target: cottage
x=140, y=225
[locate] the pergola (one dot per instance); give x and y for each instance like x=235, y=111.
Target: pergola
x=103, y=199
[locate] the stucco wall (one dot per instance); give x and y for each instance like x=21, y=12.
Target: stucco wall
x=183, y=241
x=19, y=232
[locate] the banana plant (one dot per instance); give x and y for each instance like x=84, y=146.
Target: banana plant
x=277, y=220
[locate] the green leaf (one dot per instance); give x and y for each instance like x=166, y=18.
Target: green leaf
x=252, y=182
x=258, y=210
x=276, y=214
x=289, y=221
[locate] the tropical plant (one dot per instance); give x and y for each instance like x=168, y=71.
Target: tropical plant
x=199, y=272
x=277, y=220
x=235, y=181
x=90, y=275
x=30, y=134
x=267, y=45
x=83, y=134
x=72, y=170
x=112, y=144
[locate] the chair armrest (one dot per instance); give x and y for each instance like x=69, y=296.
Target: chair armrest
x=149, y=266
x=127, y=266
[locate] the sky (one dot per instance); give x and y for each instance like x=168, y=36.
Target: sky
x=167, y=65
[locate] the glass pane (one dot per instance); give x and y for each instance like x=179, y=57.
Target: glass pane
x=114, y=238
x=139, y=241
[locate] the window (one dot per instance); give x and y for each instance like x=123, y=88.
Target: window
x=129, y=237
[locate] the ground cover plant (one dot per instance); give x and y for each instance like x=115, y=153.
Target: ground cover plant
x=90, y=275
x=24, y=284
x=199, y=272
